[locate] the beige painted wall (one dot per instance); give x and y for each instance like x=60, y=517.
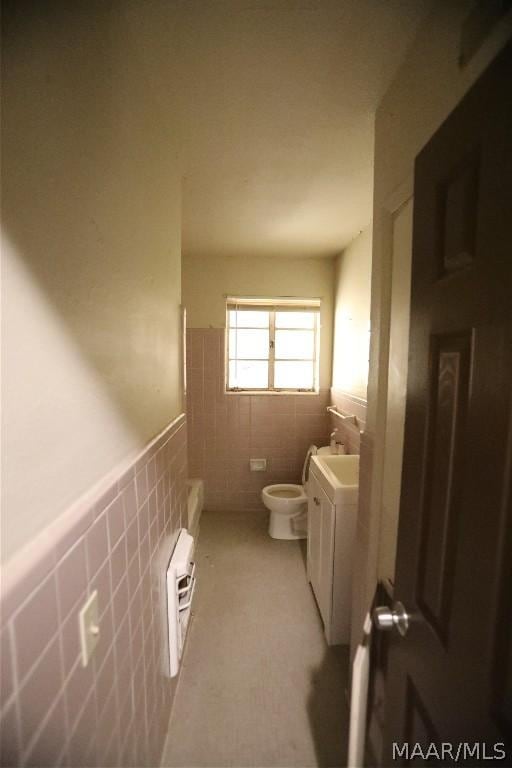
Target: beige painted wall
x=427, y=87
x=207, y=281
x=352, y=282
x=91, y=256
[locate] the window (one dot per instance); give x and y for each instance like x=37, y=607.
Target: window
x=272, y=344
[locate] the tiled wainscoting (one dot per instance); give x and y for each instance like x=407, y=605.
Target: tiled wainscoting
x=115, y=711
x=350, y=432
x=226, y=430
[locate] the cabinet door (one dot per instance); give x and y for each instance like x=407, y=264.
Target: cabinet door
x=327, y=522
x=314, y=525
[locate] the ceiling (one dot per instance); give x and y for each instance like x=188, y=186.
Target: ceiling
x=279, y=99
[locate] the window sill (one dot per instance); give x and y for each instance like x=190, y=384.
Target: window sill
x=270, y=393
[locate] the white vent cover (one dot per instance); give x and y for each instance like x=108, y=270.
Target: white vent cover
x=180, y=586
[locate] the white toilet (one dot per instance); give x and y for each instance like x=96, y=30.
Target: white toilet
x=288, y=504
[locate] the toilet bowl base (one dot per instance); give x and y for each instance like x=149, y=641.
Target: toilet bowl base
x=288, y=526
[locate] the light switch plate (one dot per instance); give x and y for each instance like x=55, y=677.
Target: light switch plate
x=88, y=623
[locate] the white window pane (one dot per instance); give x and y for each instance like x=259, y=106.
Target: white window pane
x=247, y=344
x=293, y=375
x=248, y=374
x=248, y=318
x=295, y=319
x=295, y=345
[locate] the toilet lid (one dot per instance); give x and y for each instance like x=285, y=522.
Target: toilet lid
x=312, y=451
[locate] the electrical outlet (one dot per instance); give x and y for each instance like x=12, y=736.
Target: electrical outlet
x=88, y=623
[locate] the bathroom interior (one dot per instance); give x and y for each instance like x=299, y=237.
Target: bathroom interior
x=206, y=254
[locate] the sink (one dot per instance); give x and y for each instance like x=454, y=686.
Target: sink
x=344, y=468
x=338, y=476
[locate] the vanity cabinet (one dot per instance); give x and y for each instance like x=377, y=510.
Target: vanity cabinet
x=330, y=546
x=321, y=514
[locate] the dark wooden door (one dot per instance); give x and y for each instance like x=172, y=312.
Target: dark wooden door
x=450, y=677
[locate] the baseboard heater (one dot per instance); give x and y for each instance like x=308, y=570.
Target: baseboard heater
x=180, y=586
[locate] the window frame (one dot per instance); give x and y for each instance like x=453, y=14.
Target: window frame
x=272, y=306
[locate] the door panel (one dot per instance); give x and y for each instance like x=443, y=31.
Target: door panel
x=326, y=561
x=314, y=524
x=419, y=728
x=457, y=215
x=321, y=548
x=450, y=365
x=449, y=678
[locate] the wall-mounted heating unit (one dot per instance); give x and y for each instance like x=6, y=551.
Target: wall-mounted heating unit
x=180, y=586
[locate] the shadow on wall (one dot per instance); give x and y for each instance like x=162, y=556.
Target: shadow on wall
x=91, y=256
x=89, y=184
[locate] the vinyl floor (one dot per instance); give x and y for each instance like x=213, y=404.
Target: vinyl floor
x=258, y=686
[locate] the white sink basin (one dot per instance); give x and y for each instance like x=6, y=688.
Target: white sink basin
x=338, y=476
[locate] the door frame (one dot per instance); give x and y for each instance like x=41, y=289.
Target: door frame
x=373, y=443
x=365, y=575
x=402, y=195
x=378, y=383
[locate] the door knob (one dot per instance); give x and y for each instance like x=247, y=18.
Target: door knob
x=385, y=618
